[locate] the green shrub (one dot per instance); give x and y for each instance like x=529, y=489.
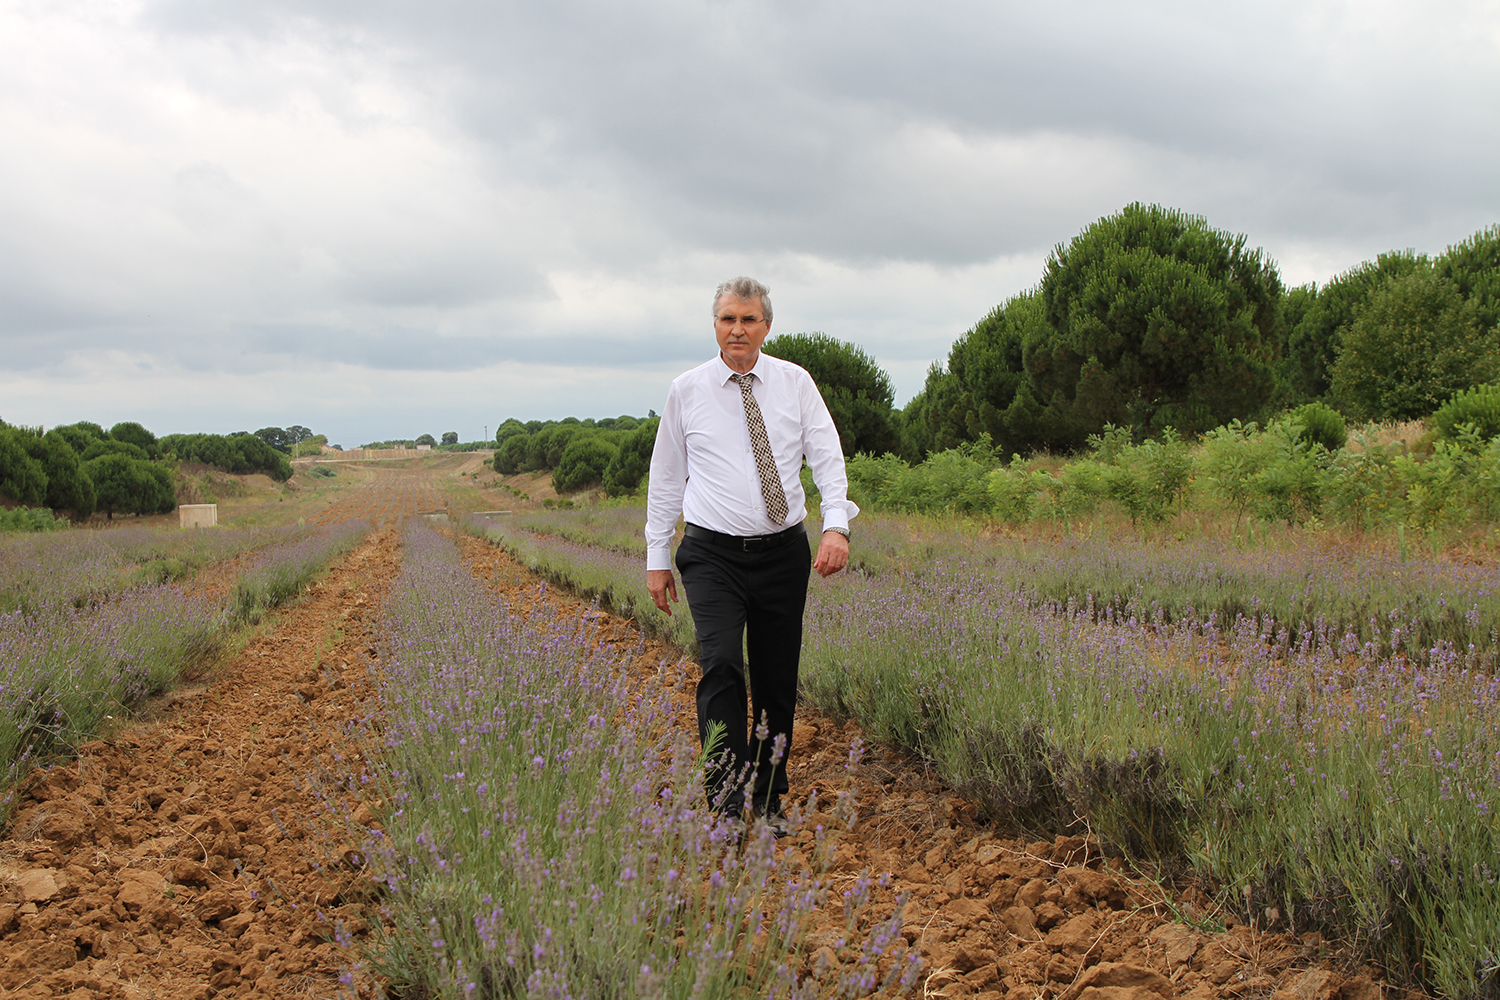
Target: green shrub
x=1479, y=406
x=31, y=519
x=1416, y=342
x=322, y=472
x=628, y=468
x=582, y=463
x=22, y=478
x=1322, y=425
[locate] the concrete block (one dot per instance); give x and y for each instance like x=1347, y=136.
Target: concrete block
x=198, y=515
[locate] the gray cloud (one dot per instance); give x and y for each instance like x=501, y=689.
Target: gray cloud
x=450, y=186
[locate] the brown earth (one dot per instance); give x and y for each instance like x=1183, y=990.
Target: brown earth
x=204, y=851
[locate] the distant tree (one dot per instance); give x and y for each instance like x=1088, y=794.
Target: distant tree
x=509, y=429
x=583, y=463
x=625, y=471
x=450, y=437
x=511, y=454
x=128, y=485
x=22, y=478
x=240, y=454
x=1415, y=343
x=68, y=487
x=426, y=439
x=1158, y=321
x=857, y=391
x=297, y=433
x=1316, y=325
x=131, y=432
x=109, y=446
x=1474, y=268
x=276, y=437
x=80, y=435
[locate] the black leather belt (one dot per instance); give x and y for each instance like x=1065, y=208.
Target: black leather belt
x=740, y=543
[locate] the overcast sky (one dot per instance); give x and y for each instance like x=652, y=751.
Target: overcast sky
x=379, y=219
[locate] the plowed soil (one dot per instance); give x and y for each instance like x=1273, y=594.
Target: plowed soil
x=205, y=850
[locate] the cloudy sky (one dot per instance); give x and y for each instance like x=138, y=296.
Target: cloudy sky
x=379, y=219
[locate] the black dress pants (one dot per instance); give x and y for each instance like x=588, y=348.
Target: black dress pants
x=753, y=599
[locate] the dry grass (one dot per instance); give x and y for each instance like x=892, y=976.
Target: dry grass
x=1406, y=433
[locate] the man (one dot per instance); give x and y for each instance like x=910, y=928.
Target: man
x=728, y=459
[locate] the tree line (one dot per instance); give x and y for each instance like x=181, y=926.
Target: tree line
x=1148, y=320
x=77, y=469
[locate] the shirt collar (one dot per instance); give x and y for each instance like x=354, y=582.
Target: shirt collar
x=725, y=371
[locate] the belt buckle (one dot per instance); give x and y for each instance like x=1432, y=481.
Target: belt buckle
x=756, y=544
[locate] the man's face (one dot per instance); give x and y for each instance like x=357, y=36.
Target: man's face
x=740, y=326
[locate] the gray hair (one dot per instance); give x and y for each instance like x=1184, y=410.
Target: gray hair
x=744, y=288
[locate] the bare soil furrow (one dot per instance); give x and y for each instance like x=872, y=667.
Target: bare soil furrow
x=197, y=854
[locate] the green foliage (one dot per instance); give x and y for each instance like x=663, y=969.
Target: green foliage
x=857, y=391
x=30, y=519
x=22, y=478
x=1321, y=424
x=537, y=446
x=1148, y=319
x=582, y=463
x=1474, y=268
x=275, y=437
x=429, y=440
x=1478, y=408
x=68, y=488
x=1317, y=320
x=322, y=472
x=131, y=432
x=80, y=435
x=952, y=481
x=109, y=446
x=1160, y=321
x=510, y=454
x=626, y=471
x=1415, y=343
x=128, y=485
x=241, y=454
x=450, y=437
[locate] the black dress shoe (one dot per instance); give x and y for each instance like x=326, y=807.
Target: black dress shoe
x=774, y=817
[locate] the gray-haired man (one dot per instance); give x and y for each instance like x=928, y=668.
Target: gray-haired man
x=728, y=458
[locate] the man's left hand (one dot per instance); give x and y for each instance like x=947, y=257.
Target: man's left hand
x=833, y=554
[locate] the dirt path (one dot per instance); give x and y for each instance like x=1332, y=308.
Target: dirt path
x=181, y=859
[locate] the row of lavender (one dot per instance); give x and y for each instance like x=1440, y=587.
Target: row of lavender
x=1337, y=771
x=545, y=831
x=67, y=665
x=1288, y=583
x=80, y=568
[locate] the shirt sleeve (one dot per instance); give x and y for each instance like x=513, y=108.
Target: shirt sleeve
x=825, y=457
x=668, y=483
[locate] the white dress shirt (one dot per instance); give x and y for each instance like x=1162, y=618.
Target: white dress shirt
x=703, y=467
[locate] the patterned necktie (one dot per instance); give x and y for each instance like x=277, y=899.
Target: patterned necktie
x=765, y=463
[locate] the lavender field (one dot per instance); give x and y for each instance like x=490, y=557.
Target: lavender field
x=92, y=623
x=1313, y=730
x=545, y=834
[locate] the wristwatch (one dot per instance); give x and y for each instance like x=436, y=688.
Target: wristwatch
x=842, y=531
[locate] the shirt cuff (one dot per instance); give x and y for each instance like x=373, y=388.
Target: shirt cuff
x=659, y=558
x=835, y=519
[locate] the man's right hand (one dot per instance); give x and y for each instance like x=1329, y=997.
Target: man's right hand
x=661, y=583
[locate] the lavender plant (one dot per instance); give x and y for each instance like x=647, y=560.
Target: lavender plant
x=64, y=670
x=80, y=646
x=616, y=580
x=280, y=573
x=1316, y=732
x=82, y=567
x=544, y=830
